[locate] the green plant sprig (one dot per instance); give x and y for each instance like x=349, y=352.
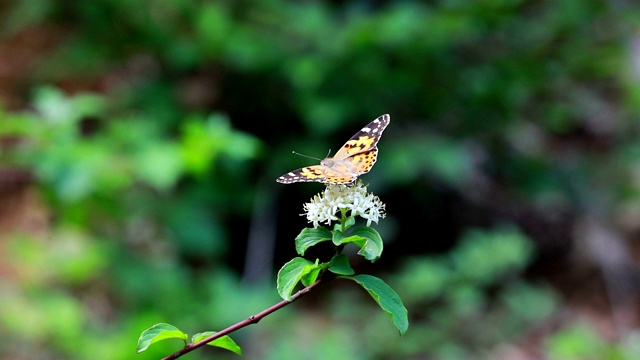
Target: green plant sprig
x=350, y=202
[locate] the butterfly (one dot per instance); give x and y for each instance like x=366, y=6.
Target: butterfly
x=355, y=157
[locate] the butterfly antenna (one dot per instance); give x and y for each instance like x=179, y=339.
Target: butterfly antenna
x=307, y=156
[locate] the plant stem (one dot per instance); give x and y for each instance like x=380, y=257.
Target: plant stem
x=343, y=219
x=248, y=321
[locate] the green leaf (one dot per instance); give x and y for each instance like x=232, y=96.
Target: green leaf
x=311, y=277
x=354, y=239
x=369, y=241
x=224, y=342
x=388, y=299
x=159, y=332
x=291, y=273
x=339, y=264
x=309, y=237
x=338, y=237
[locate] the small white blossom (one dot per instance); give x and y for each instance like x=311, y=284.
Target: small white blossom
x=324, y=206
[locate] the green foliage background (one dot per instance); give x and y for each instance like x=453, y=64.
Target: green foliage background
x=154, y=131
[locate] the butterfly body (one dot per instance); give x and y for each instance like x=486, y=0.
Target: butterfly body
x=354, y=158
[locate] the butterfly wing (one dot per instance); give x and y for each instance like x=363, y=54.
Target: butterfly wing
x=307, y=173
x=363, y=161
x=336, y=177
x=364, y=140
x=316, y=173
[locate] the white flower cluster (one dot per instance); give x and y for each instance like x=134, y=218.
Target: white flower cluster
x=324, y=206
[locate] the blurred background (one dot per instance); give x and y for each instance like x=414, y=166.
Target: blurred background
x=140, y=142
